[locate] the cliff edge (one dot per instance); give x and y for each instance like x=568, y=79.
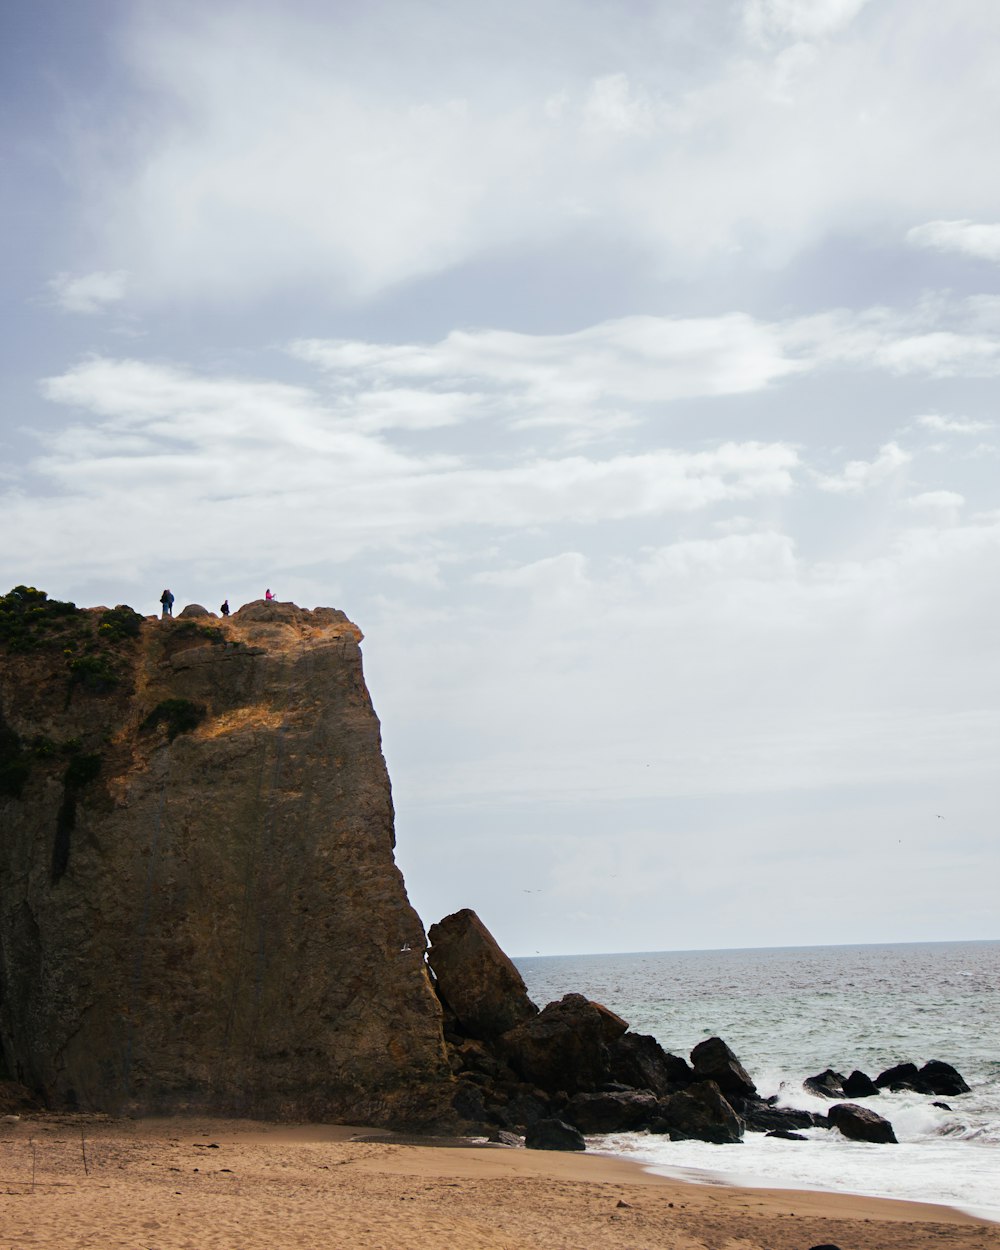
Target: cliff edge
x=199, y=905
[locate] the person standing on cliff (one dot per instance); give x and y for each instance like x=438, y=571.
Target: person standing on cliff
x=167, y=599
x=267, y=594
x=225, y=607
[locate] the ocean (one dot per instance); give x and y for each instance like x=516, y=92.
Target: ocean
x=791, y=1012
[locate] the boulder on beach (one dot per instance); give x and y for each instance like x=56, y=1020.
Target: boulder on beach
x=712, y=1060
x=619, y=1112
x=936, y=1077
x=475, y=979
x=639, y=1061
x=858, y=1085
x=700, y=1112
x=565, y=1046
x=826, y=1084
x=762, y=1117
x=860, y=1123
x=900, y=1076
x=554, y=1135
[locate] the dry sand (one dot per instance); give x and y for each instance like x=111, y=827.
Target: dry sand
x=70, y=1183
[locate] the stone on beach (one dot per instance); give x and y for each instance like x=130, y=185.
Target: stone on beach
x=860, y=1123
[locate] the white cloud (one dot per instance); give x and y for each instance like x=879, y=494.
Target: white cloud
x=239, y=451
x=613, y=107
x=88, y=293
x=563, y=377
x=799, y=19
x=860, y=475
x=968, y=237
x=953, y=425
x=945, y=505
x=365, y=164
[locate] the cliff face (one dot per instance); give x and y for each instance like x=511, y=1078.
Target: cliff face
x=199, y=906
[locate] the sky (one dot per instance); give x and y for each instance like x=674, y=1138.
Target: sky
x=627, y=371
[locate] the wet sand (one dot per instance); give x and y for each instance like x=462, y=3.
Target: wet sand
x=207, y=1184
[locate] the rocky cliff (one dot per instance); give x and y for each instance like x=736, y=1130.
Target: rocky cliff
x=199, y=905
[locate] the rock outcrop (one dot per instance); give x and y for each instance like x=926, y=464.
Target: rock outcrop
x=860, y=1123
x=475, y=980
x=701, y=1112
x=199, y=905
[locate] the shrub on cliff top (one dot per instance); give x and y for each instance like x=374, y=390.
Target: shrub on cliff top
x=28, y=618
x=119, y=623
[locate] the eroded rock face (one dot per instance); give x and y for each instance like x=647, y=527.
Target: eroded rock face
x=206, y=915
x=475, y=979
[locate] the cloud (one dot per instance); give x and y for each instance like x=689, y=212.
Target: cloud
x=799, y=19
x=88, y=293
x=369, y=162
x=860, y=475
x=224, y=457
x=953, y=425
x=945, y=505
x=563, y=377
x=970, y=238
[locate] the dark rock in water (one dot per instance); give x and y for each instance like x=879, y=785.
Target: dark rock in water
x=936, y=1077
x=554, y=1135
x=760, y=1117
x=858, y=1085
x=639, y=1061
x=564, y=1047
x=827, y=1084
x=943, y=1105
x=786, y=1135
x=502, y=1138
x=700, y=1112
x=712, y=1060
x=902, y=1076
x=860, y=1124
x=610, y=1113
x=476, y=980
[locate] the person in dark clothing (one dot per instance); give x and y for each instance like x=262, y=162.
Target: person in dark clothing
x=167, y=599
x=225, y=607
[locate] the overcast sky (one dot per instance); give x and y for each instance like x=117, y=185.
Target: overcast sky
x=627, y=371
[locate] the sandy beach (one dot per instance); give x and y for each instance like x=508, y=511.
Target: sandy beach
x=208, y=1184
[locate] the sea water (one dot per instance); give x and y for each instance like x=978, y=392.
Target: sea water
x=791, y=1012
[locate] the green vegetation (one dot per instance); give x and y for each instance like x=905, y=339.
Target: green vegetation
x=192, y=629
x=119, y=623
x=179, y=715
x=30, y=619
x=95, y=672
